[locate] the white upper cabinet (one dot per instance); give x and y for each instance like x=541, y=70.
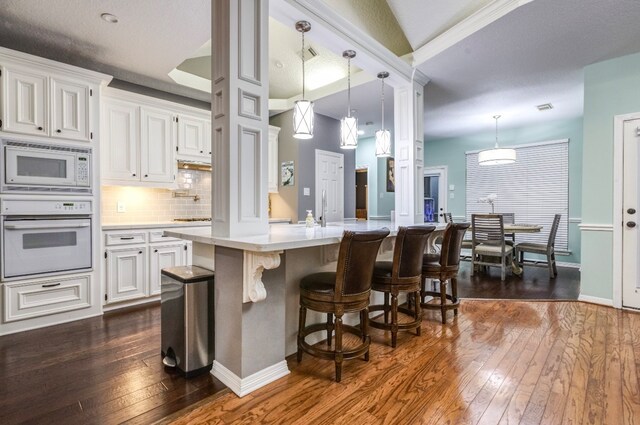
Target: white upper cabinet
x=156, y=146
x=193, y=142
x=120, y=148
x=24, y=102
x=46, y=106
x=70, y=110
x=273, y=159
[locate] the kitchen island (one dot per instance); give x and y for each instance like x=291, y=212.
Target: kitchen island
x=257, y=295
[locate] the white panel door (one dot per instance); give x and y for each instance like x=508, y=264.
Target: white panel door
x=126, y=274
x=162, y=257
x=70, y=110
x=330, y=178
x=25, y=109
x=120, y=141
x=272, y=160
x=156, y=146
x=191, y=141
x=630, y=233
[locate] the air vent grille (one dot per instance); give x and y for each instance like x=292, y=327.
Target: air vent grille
x=544, y=107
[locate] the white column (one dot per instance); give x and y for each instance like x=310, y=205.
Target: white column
x=239, y=103
x=409, y=153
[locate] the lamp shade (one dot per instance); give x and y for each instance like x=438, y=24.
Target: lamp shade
x=303, y=119
x=349, y=133
x=383, y=143
x=497, y=156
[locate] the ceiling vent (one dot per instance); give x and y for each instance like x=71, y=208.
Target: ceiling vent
x=309, y=53
x=544, y=107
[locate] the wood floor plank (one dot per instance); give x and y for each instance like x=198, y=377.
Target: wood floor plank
x=630, y=385
x=595, y=393
x=613, y=370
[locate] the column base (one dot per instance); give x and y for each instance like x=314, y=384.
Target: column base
x=244, y=386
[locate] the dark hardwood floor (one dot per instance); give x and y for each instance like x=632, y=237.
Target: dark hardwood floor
x=108, y=369
x=102, y=370
x=534, y=284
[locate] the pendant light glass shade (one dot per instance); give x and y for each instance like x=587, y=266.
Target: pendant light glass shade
x=303, y=109
x=383, y=143
x=303, y=119
x=383, y=137
x=349, y=124
x=497, y=155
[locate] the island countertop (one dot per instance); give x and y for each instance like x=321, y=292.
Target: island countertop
x=286, y=236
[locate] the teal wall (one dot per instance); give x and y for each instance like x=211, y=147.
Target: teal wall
x=451, y=152
x=610, y=88
x=381, y=202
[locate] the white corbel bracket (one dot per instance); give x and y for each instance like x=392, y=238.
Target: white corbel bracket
x=254, y=264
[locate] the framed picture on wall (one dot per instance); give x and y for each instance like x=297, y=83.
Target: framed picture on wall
x=391, y=176
x=287, y=171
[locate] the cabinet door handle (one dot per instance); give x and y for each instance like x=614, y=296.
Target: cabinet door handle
x=139, y=252
x=134, y=174
x=127, y=238
x=155, y=250
x=201, y=151
x=146, y=175
x=40, y=128
x=58, y=131
x=51, y=285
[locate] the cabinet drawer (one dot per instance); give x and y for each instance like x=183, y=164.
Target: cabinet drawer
x=156, y=236
x=34, y=299
x=129, y=238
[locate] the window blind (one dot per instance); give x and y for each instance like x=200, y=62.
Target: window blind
x=534, y=188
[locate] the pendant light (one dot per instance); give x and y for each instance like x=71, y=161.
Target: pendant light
x=497, y=155
x=383, y=137
x=349, y=124
x=303, y=109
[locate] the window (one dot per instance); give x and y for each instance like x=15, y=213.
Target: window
x=534, y=188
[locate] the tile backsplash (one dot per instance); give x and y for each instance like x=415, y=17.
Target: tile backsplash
x=151, y=205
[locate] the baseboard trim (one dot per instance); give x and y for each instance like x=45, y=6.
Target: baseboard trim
x=595, y=300
x=244, y=386
x=569, y=265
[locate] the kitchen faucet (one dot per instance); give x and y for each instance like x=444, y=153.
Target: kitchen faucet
x=323, y=217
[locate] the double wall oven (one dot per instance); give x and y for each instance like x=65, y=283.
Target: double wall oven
x=45, y=237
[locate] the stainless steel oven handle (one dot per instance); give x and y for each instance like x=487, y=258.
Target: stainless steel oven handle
x=44, y=226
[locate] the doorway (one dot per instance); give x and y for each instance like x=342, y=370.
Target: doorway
x=330, y=178
x=362, y=193
x=435, y=194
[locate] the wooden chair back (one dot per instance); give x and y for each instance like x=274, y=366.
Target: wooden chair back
x=356, y=260
x=554, y=230
x=408, y=252
x=452, y=245
x=508, y=218
x=487, y=229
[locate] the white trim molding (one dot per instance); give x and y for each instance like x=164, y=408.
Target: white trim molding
x=243, y=386
x=595, y=300
x=595, y=227
x=474, y=23
x=254, y=264
x=569, y=265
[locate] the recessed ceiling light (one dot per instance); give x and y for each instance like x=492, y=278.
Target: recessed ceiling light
x=279, y=64
x=360, y=132
x=544, y=107
x=108, y=17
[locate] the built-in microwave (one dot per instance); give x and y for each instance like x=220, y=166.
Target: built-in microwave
x=35, y=167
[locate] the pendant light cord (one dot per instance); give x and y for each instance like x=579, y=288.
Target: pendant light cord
x=382, y=101
x=303, y=65
x=349, y=88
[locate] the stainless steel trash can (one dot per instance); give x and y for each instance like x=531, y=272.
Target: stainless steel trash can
x=187, y=321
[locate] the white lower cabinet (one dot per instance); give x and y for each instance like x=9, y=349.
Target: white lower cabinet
x=26, y=300
x=134, y=259
x=126, y=273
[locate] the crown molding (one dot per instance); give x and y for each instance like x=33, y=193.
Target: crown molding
x=485, y=16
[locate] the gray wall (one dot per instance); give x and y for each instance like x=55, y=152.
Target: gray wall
x=326, y=136
x=284, y=204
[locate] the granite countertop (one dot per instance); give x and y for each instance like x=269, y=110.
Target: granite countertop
x=156, y=225
x=285, y=236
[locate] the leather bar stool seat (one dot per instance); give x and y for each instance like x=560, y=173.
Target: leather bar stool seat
x=444, y=268
x=402, y=275
x=346, y=290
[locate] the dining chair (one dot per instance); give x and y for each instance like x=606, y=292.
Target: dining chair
x=547, y=249
x=346, y=290
x=487, y=240
x=509, y=218
x=402, y=275
x=444, y=268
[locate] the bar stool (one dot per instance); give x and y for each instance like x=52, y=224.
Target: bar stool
x=404, y=274
x=344, y=291
x=444, y=267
